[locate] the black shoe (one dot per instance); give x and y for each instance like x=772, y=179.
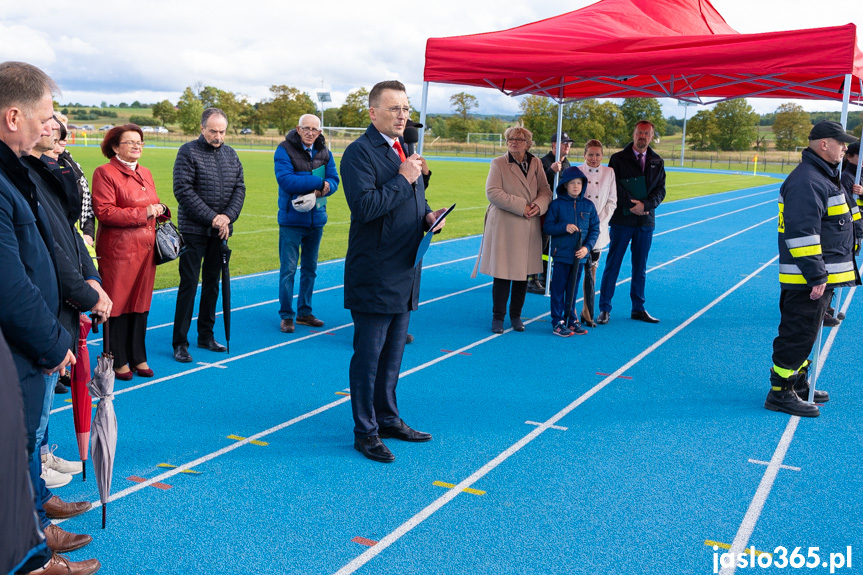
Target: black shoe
x=497, y=325
x=516, y=322
x=788, y=402
x=830, y=321
x=588, y=322
x=603, y=318
x=181, y=354
x=801, y=388
x=405, y=433
x=534, y=286
x=62, y=383
x=212, y=345
x=373, y=448
x=643, y=316
x=409, y=339
x=840, y=316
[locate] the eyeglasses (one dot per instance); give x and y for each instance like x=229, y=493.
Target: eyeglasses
x=307, y=130
x=133, y=143
x=511, y=140
x=397, y=110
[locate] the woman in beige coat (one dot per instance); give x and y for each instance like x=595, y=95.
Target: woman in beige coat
x=511, y=249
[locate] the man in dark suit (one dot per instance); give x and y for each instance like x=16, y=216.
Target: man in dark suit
x=389, y=215
x=633, y=221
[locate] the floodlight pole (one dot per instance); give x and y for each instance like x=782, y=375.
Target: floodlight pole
x=323, y=97
x=423, y=118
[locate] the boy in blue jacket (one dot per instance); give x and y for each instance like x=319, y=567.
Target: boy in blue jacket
x=573, y=225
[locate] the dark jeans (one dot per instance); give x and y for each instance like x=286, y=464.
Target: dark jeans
x=379, y=342
x=127, y=336
x=639, y=240
x=500, y=294
x=800, y=320
x=291, y=239
x=206, y=249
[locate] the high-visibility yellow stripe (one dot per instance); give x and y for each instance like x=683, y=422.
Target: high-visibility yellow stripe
x=806, y=251
x=838, y=210
x=782, y=372
x=781, y=216
x=856, y=216
x=840, y=278
x=792, y=279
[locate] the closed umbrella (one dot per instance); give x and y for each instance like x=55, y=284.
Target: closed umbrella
x=81, y=400
x=226, y=292
x=104, y=430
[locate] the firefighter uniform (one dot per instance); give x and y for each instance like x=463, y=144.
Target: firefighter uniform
x=816, y=246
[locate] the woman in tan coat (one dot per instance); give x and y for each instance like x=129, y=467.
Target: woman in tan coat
x=511, y=249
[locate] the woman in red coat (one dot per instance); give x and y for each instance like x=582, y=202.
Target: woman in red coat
x=126, y=206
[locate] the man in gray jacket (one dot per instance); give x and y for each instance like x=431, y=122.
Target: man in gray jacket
x=209, y=187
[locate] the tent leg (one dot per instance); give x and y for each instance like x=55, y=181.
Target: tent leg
x=556, y=178
x=846, y=98
x=423, y=117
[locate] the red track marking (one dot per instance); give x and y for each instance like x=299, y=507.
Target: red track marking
x=618, y=377
x=157, y=485
x=324, y=332
x=450, y=351
x=364, y=541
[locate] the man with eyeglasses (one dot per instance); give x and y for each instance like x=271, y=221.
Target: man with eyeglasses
x=210, y=191
x=389, y=215
x=306, y=174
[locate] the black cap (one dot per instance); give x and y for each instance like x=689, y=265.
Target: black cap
x=827, y=129
x=565, y=139
x=410, y=122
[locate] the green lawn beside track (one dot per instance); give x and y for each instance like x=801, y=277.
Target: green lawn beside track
x=255, y=241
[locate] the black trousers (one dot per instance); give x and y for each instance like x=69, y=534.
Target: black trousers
x=500, y=294
x=126, y=337
x=800, y=320
x=199, y=250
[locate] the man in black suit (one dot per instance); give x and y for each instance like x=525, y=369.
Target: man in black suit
x=633, y=220
x=389, y=215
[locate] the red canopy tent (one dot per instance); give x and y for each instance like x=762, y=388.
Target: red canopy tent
x=680, y=49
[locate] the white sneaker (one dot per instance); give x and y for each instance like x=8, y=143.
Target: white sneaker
x=54, y=479
x=59, y=464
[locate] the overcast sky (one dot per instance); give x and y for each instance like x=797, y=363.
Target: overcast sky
x=151, y=50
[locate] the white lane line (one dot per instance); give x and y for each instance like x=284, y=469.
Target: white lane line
x=542, y=426
x=224, y=362
x=98, y=340
x=215, y=454
x=789, y=467
x=558, y=427
x=689, y=225
x=747, y=526
x=663, y=214
x=436, y=505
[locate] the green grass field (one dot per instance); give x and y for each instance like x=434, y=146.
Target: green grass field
x=255, y=240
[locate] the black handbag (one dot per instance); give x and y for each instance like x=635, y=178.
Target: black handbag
x=169, y=242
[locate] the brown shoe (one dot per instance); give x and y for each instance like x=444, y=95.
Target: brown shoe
x=59, y=565
x=309, y=320
x=56, y=508
x=62, y=541
x=287, y=325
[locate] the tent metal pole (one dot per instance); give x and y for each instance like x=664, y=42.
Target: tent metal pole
x=846, y=97
x=556, y=178
x=423, y=117
x=859, y=163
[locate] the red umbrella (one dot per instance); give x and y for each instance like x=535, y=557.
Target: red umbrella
x=81, y=400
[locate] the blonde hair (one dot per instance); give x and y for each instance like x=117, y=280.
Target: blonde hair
x=593, y=143
x=519, y=130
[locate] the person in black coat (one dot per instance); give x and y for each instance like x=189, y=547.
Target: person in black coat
x=389, y=215
x=210, y=191
x=633, y=220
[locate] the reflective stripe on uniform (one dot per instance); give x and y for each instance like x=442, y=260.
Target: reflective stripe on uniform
x=840, y=272
x=805, y=246
x=855, y=213
x=837, y=205
x=791, y=274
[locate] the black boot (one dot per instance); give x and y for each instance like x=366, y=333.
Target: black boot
x=783, y=398
x=801, y=387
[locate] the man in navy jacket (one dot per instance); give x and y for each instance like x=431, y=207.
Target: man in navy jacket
x=389, y=215
x=302, y=215
x=633, y=220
